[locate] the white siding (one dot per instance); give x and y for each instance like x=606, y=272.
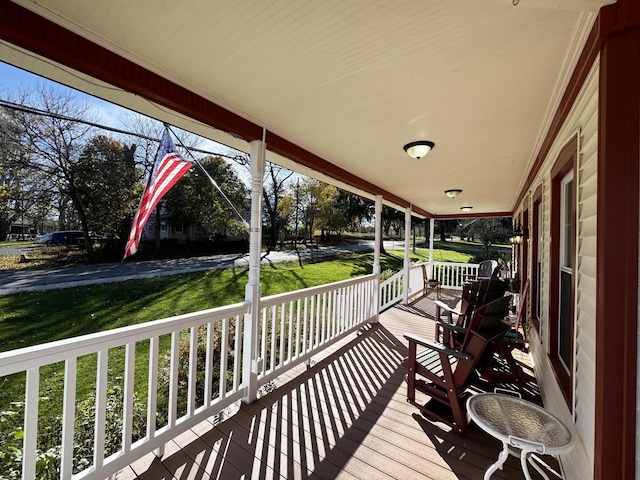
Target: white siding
x=583, y=118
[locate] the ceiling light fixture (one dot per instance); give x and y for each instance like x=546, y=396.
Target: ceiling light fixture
x=453, y=193
x=419, y=149
x=466, y=209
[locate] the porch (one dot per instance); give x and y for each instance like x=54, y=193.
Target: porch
x=345, y=417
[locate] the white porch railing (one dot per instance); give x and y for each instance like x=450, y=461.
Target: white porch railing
x=391, y=290
x=203, y=354
x=450, y=275
x=296, y=325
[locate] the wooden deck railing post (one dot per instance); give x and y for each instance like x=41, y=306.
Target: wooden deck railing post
x=251, y=361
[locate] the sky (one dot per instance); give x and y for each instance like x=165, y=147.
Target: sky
x=13, y=80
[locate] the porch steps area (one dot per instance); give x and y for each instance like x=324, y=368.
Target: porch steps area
x=343, y=417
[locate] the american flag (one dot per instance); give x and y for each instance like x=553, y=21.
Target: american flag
x=167, y=170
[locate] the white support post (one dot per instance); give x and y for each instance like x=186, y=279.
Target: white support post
x=432, y=229
x=407, y=252
x=250, y=361
x=376, y=254
x=378, y=240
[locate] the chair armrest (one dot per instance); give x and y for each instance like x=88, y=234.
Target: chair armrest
x=438, y=347
x=452, y=327
x=446, y=307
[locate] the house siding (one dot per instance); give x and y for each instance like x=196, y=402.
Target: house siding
x=583, y=120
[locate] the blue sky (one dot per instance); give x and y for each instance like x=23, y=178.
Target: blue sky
x=14, y=80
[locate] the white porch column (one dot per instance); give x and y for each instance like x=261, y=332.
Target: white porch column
x=432, y=229
x=407, y=252
x=253, y=292
x=378, y=236
x=376, y=253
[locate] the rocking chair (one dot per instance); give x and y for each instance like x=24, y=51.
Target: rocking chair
x=443, y=373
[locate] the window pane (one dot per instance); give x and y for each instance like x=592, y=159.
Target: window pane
x=567, y=244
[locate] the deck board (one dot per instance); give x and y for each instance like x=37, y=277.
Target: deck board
x=345, y=417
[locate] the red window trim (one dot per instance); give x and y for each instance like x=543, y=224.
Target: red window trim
x=566, y=162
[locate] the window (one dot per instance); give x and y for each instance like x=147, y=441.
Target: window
x=562, y=261
x=536, y=256
x=565, y=315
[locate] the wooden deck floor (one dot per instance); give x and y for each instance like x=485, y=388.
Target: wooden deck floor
x=344, y=418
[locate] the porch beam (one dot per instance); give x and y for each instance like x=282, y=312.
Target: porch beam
x=617, y=249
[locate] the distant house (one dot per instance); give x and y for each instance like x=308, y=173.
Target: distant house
x=173, y=230
x=22, y=231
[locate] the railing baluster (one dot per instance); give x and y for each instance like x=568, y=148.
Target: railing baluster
x=281, y=350
x=193, y=368
x=101, y=408
x=274, y=336
x=208, y=368
x=152, y=393
x=305, y=337
x=224, y=355
x=312, y=323
x=68, y=418
x=264, y=318
x=173, y=378
x=297, y=334
x=30, y=441
x=322, y=309
x=129, y=378
x=237, y=358
x=290, y=336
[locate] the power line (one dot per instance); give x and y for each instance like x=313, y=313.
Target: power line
x=35, y=111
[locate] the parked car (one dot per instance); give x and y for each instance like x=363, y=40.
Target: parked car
x=43, y=239
x=69, y=237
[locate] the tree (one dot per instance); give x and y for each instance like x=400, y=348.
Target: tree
x=105, y=180
x=489, y=231
x=194, y=200
x=444, y=227
x=273, y=195
x=352, y=210
x=316, y=199
x=52, y=143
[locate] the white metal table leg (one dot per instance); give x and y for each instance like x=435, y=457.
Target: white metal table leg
x=504, y=454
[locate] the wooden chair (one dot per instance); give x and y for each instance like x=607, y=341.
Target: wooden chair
x=429, y=283
x=474, y=295
x=486, y=269
x=443, y=373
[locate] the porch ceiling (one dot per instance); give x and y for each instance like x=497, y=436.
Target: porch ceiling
x=352, y=82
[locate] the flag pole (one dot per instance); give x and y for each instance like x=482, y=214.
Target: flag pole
x=213, y=182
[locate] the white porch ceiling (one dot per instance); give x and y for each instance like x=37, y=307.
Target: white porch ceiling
x=353, y=81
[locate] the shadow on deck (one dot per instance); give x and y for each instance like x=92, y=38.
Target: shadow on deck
x=346, y=417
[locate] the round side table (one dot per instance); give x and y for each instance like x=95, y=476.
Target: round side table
x=524, y=428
